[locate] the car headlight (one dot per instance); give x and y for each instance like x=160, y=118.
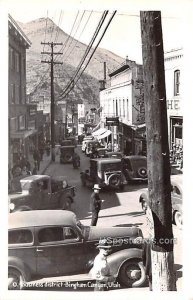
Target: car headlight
x=11, y=206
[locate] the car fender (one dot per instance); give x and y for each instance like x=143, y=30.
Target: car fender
x=177, y=207
x=20, y=266
x=117, y=259
x=143, y=196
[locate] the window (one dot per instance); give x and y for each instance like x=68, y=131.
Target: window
x=17, y=62
x=42, y=185
x=17, y=94
x=13, y=124
x=50, y=234
x=69, y=233
x=21, y=122
x=12, y=58
x=12, y=93
x=22, y=236
x=176, y=82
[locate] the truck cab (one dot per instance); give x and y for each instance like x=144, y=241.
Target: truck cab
x=42, y=192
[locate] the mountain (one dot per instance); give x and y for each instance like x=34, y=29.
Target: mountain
x=38, y=74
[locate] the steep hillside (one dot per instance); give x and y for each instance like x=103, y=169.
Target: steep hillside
x=38, y=74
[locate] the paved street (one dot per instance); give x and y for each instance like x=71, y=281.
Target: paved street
x=119, y=209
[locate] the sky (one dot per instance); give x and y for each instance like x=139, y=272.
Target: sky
x=123, y=36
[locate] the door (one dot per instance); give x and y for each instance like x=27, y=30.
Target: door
x=61, y=251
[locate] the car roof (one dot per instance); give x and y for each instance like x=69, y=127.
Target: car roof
x=135, y=157
x=35, y=218
x=106, y=159
x=34, y=178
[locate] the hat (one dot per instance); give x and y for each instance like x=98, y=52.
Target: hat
x=96, y=187
x=103, y=244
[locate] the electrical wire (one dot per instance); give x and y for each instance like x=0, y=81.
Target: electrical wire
x=74, y=82
x=80, y=35
x=72, y=37
x=87, y=50
x=59, y=22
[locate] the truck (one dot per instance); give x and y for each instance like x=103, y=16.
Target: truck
x=41, y=192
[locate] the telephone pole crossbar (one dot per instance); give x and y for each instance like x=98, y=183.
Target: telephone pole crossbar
x=52, y=104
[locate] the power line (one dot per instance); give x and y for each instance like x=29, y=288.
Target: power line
x=80, y=34
x=87, y=50
x=74, y=82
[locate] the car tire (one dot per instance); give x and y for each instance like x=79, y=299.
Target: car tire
x=67, y=157
x=143, y=205
x=142, y=172
x=15, y=280
x=132, y=273
x=66, y=204
x=114, y=180
x=178, y=219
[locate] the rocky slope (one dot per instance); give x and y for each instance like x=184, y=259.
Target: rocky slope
x=38, y=74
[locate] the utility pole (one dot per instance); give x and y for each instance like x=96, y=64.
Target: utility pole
x=52, y=103
x=159, y=186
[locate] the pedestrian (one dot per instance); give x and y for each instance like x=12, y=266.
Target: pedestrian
x=95, y=204
x=109, y=146
x=36, y=157
x=146, y=258
x=35, y=171
x=101, y=270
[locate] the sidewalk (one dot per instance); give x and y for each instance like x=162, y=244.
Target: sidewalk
x=44, y=164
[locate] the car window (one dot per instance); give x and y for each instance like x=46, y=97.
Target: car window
x=50, y=234
x=69, y=233
x=21, y=236
x=42, y=185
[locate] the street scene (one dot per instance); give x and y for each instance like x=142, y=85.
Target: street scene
x=95, y=156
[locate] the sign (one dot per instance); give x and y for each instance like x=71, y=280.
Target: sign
x=112, y=121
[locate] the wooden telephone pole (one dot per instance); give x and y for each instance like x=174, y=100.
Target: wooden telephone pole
x=52, y=103
x=159, y=186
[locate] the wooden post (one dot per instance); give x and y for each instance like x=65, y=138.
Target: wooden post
x=159, y=186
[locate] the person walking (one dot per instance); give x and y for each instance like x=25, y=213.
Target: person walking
x=101, y=270
x=36, y=157
x=95, y=203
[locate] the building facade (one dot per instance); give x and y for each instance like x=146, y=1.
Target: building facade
x=124, y=99
x=17, y=108
x=173, y=78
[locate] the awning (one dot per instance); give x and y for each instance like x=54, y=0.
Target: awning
x=99, y=132
x=23, y=134
x=104, y=135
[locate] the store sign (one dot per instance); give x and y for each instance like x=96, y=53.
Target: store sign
x=112, y=121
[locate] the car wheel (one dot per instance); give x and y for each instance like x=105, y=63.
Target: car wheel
x=15, y=280
x=132, y=274
x=66, y=204
x=114, y=180
x=178, y=219
x=143, y=205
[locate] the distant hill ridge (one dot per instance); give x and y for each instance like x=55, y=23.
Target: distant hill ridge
x=87, y=88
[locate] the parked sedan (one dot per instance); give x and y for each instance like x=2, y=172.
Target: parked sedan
x=55, y=243
x=176, y=197
x=135, y=167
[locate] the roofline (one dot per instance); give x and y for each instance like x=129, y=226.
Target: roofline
x=14, y=23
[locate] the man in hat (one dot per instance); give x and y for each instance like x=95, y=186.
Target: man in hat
x=95, y=204
x=101, y=270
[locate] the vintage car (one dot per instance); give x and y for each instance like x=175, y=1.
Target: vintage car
x=91, y=148
x=135, y=168
x=114, y=154
x=66, y=154
x=176, y=197
x=87, y=138
x=42, y=192
x=55, y=243
x=103, y=152
x=107, y=172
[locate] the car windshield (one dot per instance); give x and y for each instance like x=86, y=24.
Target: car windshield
x=25, y=185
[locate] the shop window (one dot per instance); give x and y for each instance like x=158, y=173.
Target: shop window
x=176, y=82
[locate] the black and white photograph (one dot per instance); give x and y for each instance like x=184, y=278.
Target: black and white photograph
x=95, y=149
